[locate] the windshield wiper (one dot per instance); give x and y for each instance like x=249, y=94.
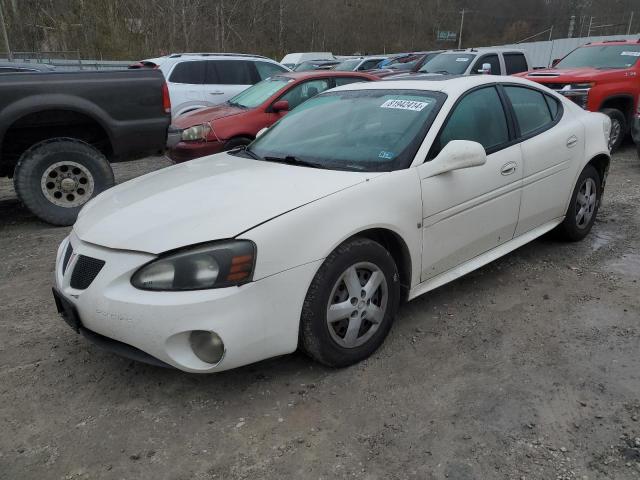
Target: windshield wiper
x=245, y=149
x=291, y=160
x=235, y=104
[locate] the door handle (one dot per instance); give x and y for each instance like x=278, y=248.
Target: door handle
x=508, y=168
x=572, y=141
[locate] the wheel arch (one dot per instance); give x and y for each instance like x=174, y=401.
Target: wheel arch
x=397, y=248
x=601, y=163
x=621, y=102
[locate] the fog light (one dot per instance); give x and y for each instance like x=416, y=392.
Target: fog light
x=207, y=346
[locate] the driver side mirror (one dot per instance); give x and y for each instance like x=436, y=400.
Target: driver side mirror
x=459, y=154
x=280, y=106
x=486, y=69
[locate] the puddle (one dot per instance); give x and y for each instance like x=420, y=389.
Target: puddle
x=628, y=265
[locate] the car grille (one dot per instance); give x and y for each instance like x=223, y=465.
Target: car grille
x=85, y=271
x=67, y=256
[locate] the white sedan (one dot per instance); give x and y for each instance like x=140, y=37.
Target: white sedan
x=363, y=197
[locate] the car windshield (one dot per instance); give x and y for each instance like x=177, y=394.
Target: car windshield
x=448, y=64
x=348, y=65
x=404, y=63
x=259, y=93
x=602, y=56
x=307, y=66
x=359, y=130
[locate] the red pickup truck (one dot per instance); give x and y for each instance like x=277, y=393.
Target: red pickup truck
x=600, y=77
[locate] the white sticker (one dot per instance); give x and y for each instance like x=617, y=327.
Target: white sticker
x=405, y=105
x=462, y=59
x=631, y=54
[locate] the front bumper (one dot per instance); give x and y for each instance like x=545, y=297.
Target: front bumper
x=256, y=321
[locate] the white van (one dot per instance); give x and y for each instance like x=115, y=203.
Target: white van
x=290, y=60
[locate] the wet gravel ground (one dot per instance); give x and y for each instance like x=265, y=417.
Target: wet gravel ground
x=528, y=368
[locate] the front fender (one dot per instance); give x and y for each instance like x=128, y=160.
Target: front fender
x=389, y=201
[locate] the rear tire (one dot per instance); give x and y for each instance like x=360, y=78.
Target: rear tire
x=583, y=206
x=351, y=304
x=56, y=177
x=618, y=127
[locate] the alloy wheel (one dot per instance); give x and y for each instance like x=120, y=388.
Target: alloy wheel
x=357, y=304
x=67, y=184
x=586, y=202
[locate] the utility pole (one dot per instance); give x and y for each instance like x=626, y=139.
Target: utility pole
x=572, y=24
x=630, y=21
x=5, y=35
x=461, y=25
x=550, y=32
x=589, y=30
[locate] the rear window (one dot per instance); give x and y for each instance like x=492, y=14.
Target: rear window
x=530, y=107
x=188, y=72
x=515, y=63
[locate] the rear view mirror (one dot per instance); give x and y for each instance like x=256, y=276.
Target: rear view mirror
x=280, y=106
x=459, y=154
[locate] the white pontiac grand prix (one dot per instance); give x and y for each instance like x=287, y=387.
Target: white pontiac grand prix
x=363, y=197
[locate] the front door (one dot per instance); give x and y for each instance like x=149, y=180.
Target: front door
x=470, y=211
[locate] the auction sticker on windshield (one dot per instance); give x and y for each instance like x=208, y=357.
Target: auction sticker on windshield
x=405, y=105
x=631, y=54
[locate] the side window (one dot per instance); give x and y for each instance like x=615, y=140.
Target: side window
x=369, y=64
x=266, y=69
x=530, y=107
x=479, y=117
x=234, y=72
x=491, y=60
x=515, y=63
x=188, y=72
x=553, y=105
x=305, y=91
x=347, y=80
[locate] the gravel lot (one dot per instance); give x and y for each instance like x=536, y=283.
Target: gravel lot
x=526, y=369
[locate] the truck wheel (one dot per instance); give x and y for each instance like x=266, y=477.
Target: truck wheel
x=56, y=177
x=618, y=127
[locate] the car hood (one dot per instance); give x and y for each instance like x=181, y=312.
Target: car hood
x=203, y=115
x=560, y=75
x=211, y=198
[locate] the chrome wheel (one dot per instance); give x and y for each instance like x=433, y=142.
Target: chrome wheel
x=586, y=202
x=67, y=184
x=357, y=304
x=614, y=133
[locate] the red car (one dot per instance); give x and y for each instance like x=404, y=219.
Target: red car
x=600, y=77
x=237, y=122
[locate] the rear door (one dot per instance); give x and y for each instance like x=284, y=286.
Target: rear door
x=470, y=211
x=226, y=78
x=552, y=143
x=185, y=86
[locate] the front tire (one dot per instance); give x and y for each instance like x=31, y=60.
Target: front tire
x=56, y=177
x=618, y=127
x=583, y=206
x=351, y=304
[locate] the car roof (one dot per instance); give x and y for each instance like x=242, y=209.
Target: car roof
x=451, y=85
x=612, y=42
x=324, y=74
x=482, y=50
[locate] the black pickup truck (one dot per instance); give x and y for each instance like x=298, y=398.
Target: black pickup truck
x=59, y=132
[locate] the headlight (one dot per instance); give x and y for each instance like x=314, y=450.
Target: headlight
x=213, y=265
x=195, y=133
